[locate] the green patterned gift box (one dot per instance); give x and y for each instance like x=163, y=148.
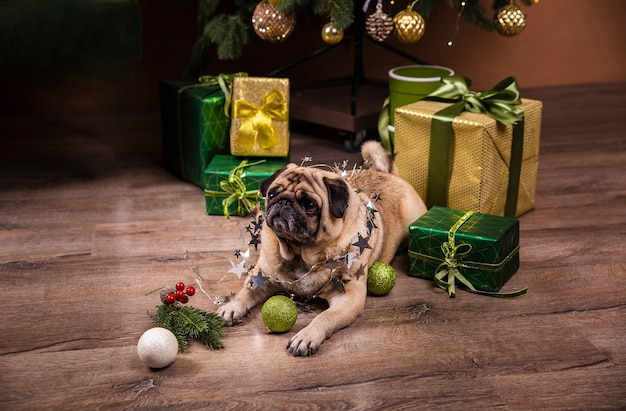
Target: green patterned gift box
x=233, y=182
x=195, y=124
x=479, y=251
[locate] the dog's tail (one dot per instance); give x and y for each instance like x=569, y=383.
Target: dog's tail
x=377, y=158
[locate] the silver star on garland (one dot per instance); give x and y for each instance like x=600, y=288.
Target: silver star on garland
x=238, y=268
x=258, y=280
x=351, y=258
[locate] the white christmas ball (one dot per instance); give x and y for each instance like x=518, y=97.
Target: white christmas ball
x=157, y=347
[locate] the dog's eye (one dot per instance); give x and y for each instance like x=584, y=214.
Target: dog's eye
x=271, y=194
x=309, y=205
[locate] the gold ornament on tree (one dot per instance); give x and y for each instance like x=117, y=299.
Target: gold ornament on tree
x=409, y=25
x=270, y=24
x=378, y=24
x=331, y=34
x=510, y=20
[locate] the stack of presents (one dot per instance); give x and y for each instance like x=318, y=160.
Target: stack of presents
x=226, y=134
x=472, y=156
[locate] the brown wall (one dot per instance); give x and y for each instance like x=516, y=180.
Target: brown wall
x=565, y=42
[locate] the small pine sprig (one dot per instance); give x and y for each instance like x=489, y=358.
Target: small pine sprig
x=187, y=322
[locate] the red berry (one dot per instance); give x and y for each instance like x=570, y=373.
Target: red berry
x=190, y=291
x=180, y=285
x=184, y=299
x=179, y=294
x=170, y=298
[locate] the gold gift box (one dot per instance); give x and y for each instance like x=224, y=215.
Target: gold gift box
x=260, y=117
x=479, y=162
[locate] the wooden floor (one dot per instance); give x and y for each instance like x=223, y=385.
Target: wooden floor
x=91, y=225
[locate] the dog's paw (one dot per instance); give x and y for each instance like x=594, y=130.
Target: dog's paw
x=306, y=342
x=232, y=312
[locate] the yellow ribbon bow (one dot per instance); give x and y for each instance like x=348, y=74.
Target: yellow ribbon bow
x=256, y=125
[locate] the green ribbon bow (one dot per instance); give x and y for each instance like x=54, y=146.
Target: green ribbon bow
x=447, y=273
x=256, y=122
x=234, y=189
x=499, y=103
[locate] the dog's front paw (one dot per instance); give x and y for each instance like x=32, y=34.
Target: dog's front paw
x=306, y=342
x=233, y=312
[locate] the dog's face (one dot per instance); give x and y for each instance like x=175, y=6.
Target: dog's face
x=304, y=206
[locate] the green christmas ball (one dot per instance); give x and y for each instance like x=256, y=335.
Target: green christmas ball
x=381, y=278
x=279, y=314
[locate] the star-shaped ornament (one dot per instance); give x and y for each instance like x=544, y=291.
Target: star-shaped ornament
x=238, y=268
x=255, y=226
x=338, y=284
x=351, y=258
x=360, y=271
x=255, y=241
x=258, y=280
x=371, y=225
x=362, y=243
x=237, y=253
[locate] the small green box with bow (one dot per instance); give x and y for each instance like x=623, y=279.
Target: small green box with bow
x=479, y=251
x=233, y=182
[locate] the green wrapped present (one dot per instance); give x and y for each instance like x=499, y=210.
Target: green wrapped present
x=233, y=183
x=480, y=251
x=195, y=124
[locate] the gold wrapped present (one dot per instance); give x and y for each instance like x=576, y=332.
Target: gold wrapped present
x=260, y=119
x=485, y=165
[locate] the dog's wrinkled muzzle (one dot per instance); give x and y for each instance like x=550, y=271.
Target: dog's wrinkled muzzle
x=287, y=223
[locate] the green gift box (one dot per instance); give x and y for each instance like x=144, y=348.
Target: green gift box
x=195, y=124
x=233, y=182
x=481, y=251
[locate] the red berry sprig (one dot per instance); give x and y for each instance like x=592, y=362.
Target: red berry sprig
x=181, y=294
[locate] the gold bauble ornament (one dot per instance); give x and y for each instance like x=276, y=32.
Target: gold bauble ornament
x=270, y=24
x=378, y=24
x=409, y=26
x=331, y=34
x=510, y=20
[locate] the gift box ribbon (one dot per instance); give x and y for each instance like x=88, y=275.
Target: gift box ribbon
x=499, y=103
x=234, y=189
x=447, y=273
x=256, y=125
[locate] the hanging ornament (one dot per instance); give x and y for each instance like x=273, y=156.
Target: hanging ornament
x=378, y=24
x=331, y=34
x=270, y=24
x=409, y=25
x=510, y=20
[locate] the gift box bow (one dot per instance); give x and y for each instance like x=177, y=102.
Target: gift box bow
x=256, y=125
x=497, y=102
x=235, y=190
x=447, y=273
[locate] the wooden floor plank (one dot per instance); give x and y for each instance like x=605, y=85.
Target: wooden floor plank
x=92, y=227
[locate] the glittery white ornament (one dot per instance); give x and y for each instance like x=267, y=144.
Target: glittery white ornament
x=157, y=347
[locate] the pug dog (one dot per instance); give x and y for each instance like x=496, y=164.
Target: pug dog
x=322, y=231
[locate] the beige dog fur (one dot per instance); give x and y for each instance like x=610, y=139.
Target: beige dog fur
x=313, y=218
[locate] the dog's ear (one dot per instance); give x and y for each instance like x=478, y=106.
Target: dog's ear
x=268, y=182
x=338, y=195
